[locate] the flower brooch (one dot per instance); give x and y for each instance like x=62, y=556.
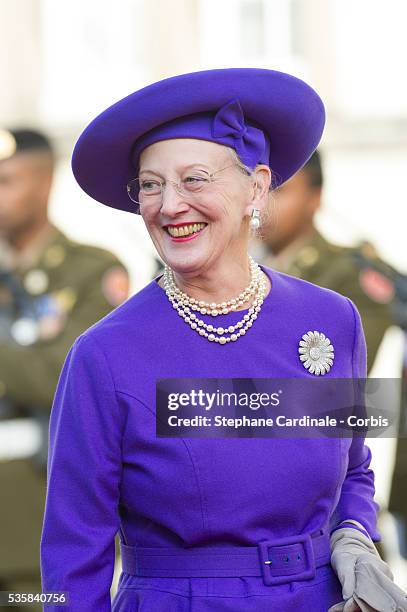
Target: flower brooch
x=316, y=352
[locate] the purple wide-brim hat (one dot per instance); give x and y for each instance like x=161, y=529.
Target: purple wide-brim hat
x=286, y=110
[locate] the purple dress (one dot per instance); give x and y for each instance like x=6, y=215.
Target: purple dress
x=108, y=471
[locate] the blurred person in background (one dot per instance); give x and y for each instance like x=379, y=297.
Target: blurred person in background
x=291, y=244
x=51, y=290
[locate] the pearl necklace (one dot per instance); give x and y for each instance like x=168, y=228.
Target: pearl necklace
x=214, y=309
x=211, y=333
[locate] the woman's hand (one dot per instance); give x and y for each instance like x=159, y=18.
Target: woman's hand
x=367, y=582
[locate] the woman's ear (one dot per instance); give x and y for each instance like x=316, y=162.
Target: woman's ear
x=261, y=181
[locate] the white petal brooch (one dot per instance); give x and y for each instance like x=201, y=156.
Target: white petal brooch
x=316, y=352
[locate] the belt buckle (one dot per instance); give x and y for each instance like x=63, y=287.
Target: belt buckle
x=290, y=570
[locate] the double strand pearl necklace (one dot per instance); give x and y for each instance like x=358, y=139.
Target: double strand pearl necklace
x=184, y=304
x=212, y=308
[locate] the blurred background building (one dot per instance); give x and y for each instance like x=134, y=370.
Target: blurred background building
x=63, y=62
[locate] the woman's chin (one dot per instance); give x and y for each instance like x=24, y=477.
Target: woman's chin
x=186, y=263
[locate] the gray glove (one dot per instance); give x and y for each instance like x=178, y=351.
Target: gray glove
x=367, y=582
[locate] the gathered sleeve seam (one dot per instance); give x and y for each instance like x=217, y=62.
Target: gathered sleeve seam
x=115, y=392
x=354, y=336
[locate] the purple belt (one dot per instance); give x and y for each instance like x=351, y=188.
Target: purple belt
x=278, y=561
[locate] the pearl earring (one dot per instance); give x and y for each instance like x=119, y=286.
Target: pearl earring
x=255, y=219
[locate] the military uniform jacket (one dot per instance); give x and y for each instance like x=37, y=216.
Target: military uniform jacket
x=44, y=308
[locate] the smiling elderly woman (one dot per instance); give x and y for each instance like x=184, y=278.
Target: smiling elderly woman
x=207, y=524
x=205, y=209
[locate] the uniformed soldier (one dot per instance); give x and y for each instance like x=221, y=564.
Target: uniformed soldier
x=291, y=244
x=51, y=290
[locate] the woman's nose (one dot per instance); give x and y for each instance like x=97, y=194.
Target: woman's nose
x=172, y=200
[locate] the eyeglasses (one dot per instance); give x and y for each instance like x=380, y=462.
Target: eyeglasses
x=144, y=191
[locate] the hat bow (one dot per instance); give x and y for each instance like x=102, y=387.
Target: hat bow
x=229, y=126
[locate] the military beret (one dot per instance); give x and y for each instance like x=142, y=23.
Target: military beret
x=17, y=141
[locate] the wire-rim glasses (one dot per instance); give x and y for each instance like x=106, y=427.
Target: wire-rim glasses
x=145, y=190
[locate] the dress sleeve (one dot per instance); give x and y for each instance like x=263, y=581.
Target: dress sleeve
x=356, y=501
x=81, y=517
